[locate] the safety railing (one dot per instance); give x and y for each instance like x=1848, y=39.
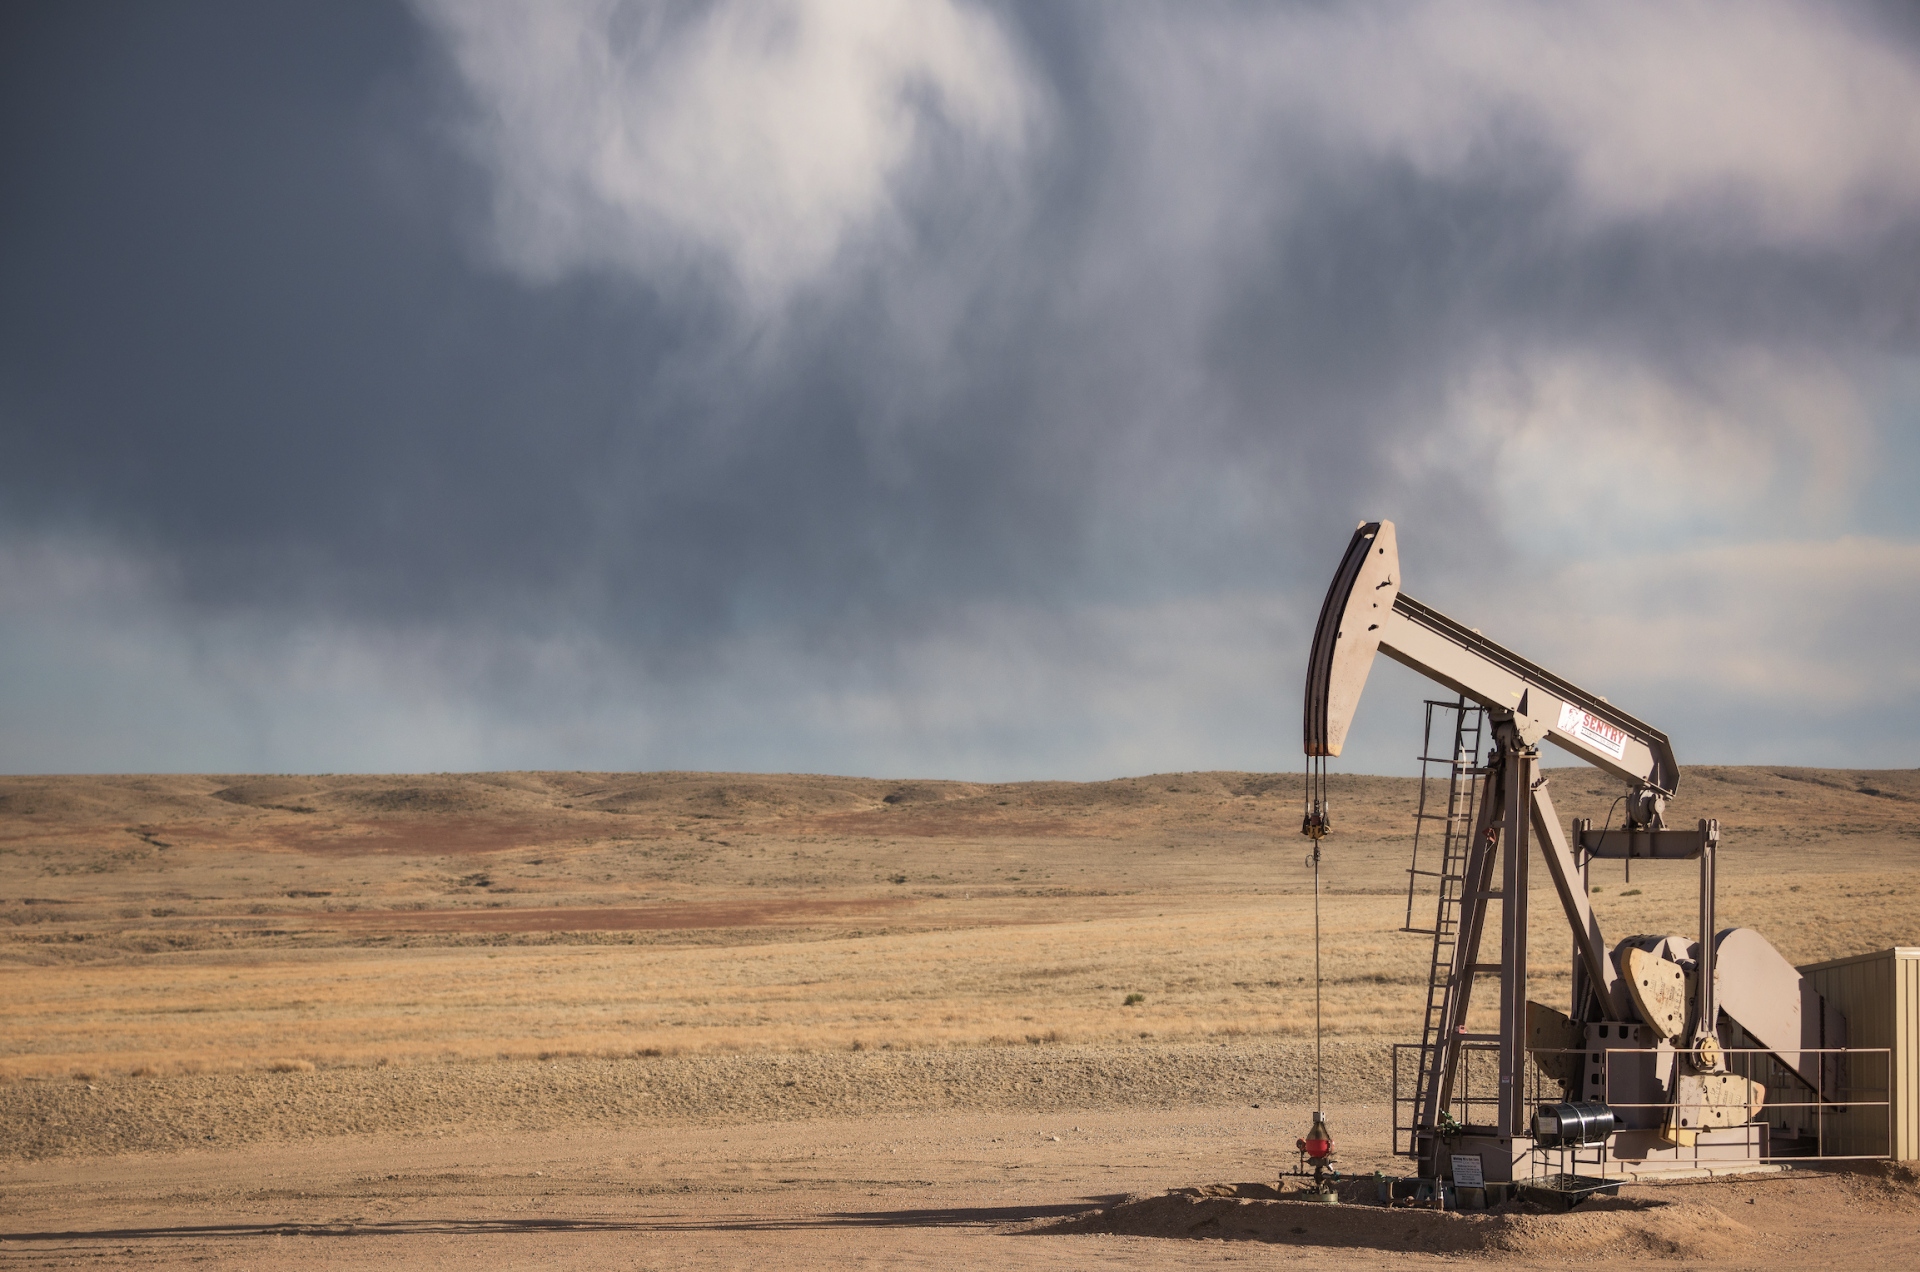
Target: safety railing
x=1479, y=1067
x=1857, y=1124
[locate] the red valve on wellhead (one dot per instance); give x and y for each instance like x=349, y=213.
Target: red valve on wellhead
x=1318, y=1144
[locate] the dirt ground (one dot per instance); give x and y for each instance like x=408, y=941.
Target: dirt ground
x=693, y=1020
x=1063, y=1188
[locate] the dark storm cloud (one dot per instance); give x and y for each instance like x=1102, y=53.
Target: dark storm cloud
x=329, y=320
x=237, y=326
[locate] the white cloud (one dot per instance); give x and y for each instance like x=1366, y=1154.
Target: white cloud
x=1584, y=454
x=1784, y=120
x=758, y=134
x=1816, y=626
x=1788, y=114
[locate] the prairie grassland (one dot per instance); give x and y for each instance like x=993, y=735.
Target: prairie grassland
x=167, y=925
x=1203, y=973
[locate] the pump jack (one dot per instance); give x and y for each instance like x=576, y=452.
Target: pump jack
x=1649, y=1021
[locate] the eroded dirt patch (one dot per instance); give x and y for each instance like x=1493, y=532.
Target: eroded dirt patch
x=941, y=823
x=425, y=837
x=615, y=918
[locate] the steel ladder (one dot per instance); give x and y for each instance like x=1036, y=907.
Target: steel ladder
x=1465, y=779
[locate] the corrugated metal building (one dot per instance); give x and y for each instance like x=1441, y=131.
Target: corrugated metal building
x=1879, y=994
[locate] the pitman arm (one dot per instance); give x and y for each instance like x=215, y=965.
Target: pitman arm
x=1366, y=613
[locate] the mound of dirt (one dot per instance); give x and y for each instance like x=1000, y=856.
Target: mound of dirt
x=1888, y=1185
x=438, y=799
x=1616, y=1227
x=112, y=799
x=728, y=795
x=1606, y=1227
x=929, y=792
x=42, y=799
x=1904, y=1176
x=267, y=792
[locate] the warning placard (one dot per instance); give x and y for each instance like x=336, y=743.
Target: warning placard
x=1592, y=730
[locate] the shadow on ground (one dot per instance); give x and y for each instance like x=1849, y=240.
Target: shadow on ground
x=956, y=1217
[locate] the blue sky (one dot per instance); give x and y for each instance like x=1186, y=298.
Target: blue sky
x=942, y=388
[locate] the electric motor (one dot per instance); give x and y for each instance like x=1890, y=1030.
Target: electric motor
x=1577, y=1122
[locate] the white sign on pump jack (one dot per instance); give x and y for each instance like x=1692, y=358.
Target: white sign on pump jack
x=1592, y=730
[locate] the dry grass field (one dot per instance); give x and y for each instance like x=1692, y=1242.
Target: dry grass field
x=169, y=925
